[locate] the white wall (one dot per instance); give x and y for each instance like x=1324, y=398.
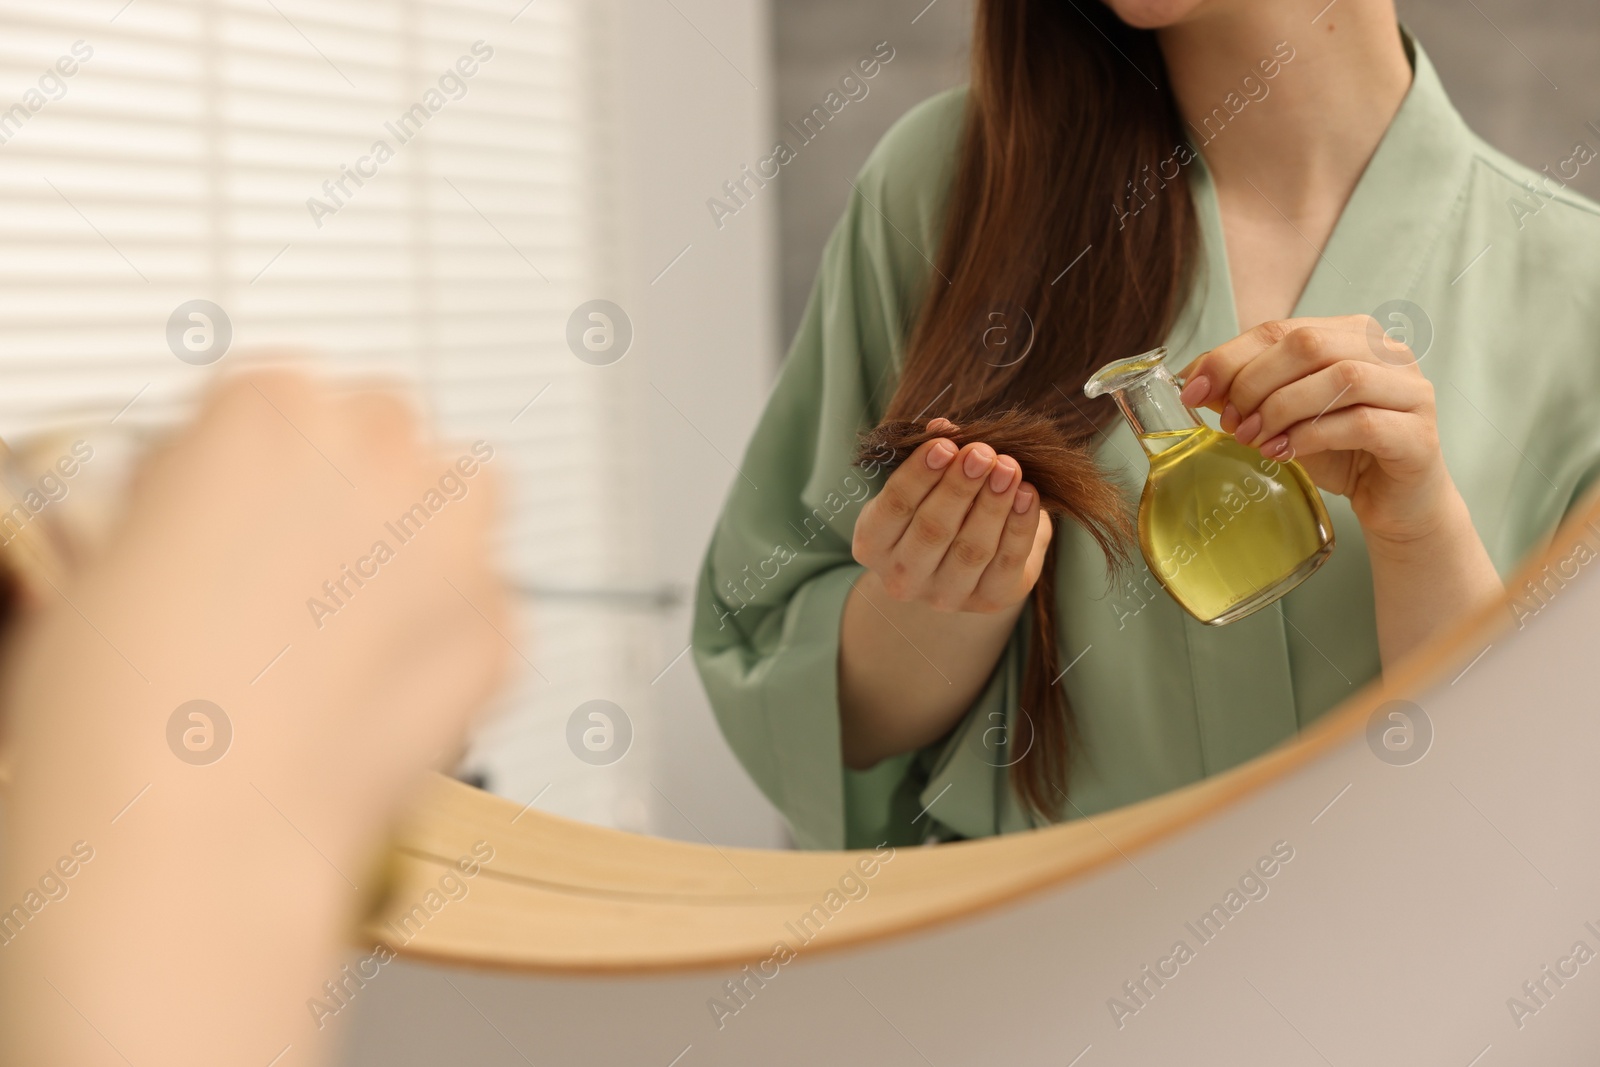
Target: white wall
x=694, y=89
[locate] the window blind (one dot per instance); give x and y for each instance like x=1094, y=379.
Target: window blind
x=408, y=186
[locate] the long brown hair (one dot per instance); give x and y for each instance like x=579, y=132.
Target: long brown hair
x=1069, y=119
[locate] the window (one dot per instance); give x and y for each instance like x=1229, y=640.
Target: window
x=413, y=186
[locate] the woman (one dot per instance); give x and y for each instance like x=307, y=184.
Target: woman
x=1156, y=172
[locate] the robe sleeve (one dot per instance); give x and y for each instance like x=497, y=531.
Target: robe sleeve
x=772, y=588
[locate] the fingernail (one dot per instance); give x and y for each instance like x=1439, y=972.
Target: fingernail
x=1004, y=472
x=1195, y=391
x=940, y=455
x=1023, y=501
x=978, y=461
x=1230, y=418
x=1248, y=429
x=1278, y=446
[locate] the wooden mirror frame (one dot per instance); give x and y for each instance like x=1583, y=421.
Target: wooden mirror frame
x=566, y=897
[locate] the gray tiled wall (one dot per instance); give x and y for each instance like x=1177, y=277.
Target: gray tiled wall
x=1525, y=73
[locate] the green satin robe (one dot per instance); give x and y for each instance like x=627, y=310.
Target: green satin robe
x=1504, y=263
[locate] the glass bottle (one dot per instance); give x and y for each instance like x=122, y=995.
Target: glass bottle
x=1225, y=529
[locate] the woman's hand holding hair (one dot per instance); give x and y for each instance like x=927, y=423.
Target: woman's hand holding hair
x=1351, y=405
x=953, y=545
x=955, y=529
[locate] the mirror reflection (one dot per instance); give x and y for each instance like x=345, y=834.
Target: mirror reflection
x=799, y=350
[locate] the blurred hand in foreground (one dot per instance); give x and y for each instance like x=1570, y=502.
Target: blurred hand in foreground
x=307, y=562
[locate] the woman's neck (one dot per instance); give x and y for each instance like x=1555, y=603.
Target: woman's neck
x=1285, y=151
x=1320, y=117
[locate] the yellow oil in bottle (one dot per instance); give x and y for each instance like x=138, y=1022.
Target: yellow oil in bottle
x=1225, y=529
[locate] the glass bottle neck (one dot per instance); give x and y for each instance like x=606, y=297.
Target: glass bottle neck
x=1154, y=409
x=1149, y=398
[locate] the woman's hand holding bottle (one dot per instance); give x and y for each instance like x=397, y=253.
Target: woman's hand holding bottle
x=1351, y=405
x=1348, y=402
